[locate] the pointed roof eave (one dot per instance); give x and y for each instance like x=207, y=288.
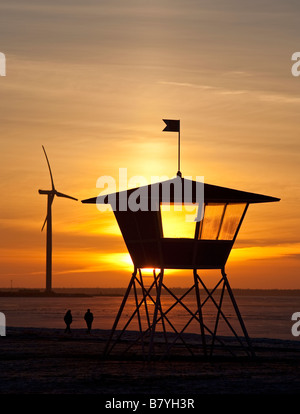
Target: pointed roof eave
x=212, y=193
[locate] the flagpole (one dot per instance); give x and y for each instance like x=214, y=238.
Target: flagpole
x=173, y=125
x=178, y=172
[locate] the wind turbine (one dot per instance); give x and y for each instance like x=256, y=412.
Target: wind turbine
x=51, y=194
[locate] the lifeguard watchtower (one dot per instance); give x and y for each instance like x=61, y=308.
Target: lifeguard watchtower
x=199, y=238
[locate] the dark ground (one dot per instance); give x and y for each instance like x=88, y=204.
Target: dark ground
x=35, y=361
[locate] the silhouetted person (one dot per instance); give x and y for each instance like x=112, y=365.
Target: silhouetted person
x=89, y=317
x=68, y=320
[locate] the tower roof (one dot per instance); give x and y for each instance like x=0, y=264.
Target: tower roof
x=138, y=214
x=178, y=189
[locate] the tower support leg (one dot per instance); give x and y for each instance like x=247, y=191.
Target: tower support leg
x=106, y=350
x=237, y=311
x=156, y=313
x=199, y=308
x=156, y=309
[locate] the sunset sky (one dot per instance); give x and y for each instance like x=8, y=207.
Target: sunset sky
x=92, y=80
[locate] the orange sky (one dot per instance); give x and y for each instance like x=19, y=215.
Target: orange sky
x=92, y=80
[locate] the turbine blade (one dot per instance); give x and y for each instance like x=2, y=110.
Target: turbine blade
x=49, y=168
x=44, y=223
x=52, y=198
x=65, y=196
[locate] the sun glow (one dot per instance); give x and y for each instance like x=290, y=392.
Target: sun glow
x=117, y=260
x=178, y=220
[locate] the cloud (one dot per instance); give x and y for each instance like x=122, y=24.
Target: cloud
x=295, y=256
x=266, y=252
x=261, y=95
x=280, y=99
x=188, y=85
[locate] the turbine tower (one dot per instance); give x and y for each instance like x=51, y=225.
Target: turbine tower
x=51, y=194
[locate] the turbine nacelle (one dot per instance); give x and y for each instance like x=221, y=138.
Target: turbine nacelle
x=48, y=192
x=56, y=193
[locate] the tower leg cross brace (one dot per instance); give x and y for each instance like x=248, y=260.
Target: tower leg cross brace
x=155, y=333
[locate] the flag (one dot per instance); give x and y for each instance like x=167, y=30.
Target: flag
x=172, y=125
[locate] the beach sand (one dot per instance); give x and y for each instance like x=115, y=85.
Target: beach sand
x=48, y=361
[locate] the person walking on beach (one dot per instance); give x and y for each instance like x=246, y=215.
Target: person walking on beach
x=89, y=317
x=68, y=320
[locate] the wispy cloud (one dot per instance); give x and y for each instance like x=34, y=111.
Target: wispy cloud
x=267, y=252
x=281, y=99
x=188, y=85
x=215, y=89
x=263, y=96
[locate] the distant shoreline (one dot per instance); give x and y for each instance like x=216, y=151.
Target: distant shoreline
x=91, y=292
